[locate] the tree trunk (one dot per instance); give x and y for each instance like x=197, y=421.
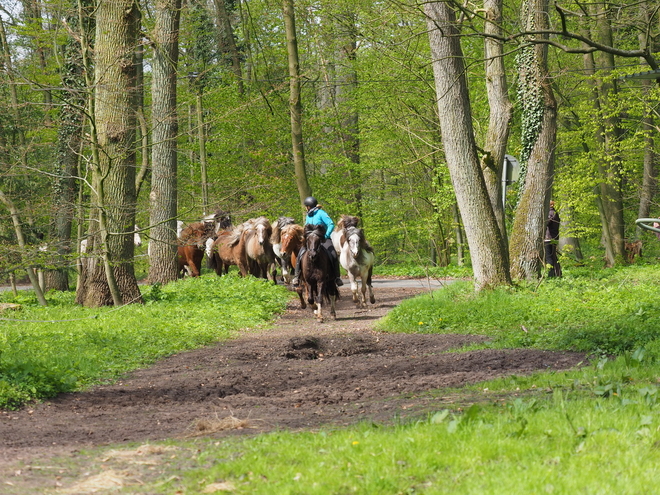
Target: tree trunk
x=538, y=143
x=295, y=103
x=21, y=243
x=501, y=110
x=113, y=281
x=649, y=180
x=163, y=266
x=608, y=137
x=71, y=120
x=487, y=248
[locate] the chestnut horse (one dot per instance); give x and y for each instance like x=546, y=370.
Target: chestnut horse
x=291, y=240
x=276, y=241
x=357, y=257
x=226, y=251
x=192, y=243
x=317, y=275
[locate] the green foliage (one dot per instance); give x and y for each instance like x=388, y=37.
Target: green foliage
x=603, y=312
x=46, y=351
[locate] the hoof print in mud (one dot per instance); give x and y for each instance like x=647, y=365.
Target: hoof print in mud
x=303, y=348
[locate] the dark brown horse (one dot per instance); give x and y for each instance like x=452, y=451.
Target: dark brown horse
x=291, y=240
x=192, y=243
x=317, y=275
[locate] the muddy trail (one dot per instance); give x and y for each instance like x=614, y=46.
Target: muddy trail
x=297, y=374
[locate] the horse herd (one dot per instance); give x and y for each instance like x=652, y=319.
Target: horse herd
x=258, y=248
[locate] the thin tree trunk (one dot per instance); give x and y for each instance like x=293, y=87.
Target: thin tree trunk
x=501, y=110
x=295, y=103
x=21, y=243
x=227, y=33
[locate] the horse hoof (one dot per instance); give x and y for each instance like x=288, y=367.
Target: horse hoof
x=372, y=300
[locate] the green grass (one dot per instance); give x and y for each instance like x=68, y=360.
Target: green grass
x=63, y=347
x=605, y=312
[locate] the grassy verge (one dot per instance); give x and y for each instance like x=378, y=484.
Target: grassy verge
x=63, y=347
x=603, y=312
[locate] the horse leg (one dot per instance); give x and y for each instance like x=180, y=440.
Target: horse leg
x=299, y=290
x=354, y=288
x=372, y=299
x=333, y=313
x=319, y=302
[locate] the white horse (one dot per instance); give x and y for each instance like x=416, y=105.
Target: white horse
x=357, y=257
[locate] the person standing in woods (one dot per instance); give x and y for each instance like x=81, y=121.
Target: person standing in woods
x=551, y=241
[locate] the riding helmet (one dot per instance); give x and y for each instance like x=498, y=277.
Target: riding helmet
x=310, y=201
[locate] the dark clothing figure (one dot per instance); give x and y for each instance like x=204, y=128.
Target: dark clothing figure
x=551, y=241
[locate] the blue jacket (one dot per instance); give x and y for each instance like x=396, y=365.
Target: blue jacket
x=317, y=216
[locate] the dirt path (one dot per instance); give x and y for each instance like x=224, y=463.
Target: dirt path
x=297, y=374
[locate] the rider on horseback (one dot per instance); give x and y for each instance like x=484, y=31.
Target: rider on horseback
x=317, y=216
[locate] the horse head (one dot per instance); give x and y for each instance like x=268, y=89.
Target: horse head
x=278, y=226
x=291, y=238
x=263, y=230
x=347, y=221
x=222, y=220
x=314, y=235
x=355, y=239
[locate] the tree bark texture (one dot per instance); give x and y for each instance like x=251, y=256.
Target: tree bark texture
x=487, y=248
x=163, y=265
x=501, y=109
x=540, y=132
x=114, y=175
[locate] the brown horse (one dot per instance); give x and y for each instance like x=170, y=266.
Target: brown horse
x=276, y=241
x=291, y=240
x=192, y=243
x=229, y=250
x=317, y=275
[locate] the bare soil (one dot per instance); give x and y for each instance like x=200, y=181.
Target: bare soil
x=297, y=374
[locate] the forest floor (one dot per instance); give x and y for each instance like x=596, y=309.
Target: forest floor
x=296, y=374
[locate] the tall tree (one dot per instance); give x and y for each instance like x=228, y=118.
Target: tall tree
x=501, y=109
x=163, y=266
x=487, y=247
x=113, y=281
x=295, y=101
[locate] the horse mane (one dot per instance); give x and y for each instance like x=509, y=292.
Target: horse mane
x=315, y=229
x=279, y=224
x=235, y=235
x=196, y=234
x=294, y=229
x=347, y=221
